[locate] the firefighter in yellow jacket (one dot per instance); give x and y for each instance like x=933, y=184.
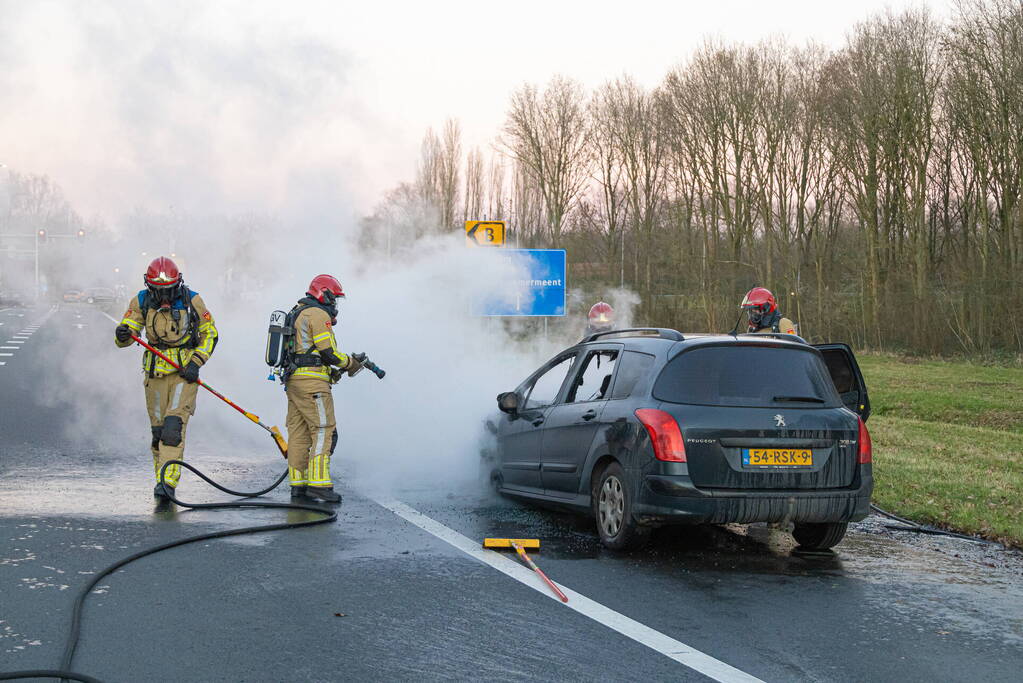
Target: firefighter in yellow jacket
x=314, y=364
x=176, y=322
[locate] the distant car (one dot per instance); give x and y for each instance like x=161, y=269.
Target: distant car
x=650, y=427
x=14, y=297
x=99, y=295
x=72, y=295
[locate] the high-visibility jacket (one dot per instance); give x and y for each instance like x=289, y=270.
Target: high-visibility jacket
x=171, y=331
x=313, y=333
x=784, y=325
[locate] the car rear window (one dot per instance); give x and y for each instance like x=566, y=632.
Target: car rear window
x=753, y=376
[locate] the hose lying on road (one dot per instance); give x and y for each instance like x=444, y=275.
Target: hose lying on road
x=65, y=672
x=921, y=529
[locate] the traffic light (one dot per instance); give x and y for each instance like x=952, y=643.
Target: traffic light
x=81, y=233
x=42, y=235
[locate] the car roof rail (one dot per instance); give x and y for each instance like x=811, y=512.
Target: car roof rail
x=774, y=335
x=662, y=332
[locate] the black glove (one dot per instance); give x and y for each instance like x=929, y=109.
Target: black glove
x=190, y=373
x=354, y=364
x=122, y=333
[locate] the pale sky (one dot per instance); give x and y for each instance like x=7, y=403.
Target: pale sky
x=318, y=107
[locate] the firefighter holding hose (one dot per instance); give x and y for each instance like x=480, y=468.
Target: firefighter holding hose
x=314, y=363
x=177, y=322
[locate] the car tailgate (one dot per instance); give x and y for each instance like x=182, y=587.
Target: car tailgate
x=716, y=439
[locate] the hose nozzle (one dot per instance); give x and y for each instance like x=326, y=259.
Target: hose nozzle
x=369, y=365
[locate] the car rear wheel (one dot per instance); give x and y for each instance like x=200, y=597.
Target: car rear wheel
x=819, y=536
x=612, y=507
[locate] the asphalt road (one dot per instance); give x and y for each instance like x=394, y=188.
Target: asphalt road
x=396, y=589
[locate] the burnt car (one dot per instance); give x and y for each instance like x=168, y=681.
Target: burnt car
x=649, y=427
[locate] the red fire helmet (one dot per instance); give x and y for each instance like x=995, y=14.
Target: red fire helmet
x=325, y=289
x=601, y=312
x=162, y=273
x=759, y=299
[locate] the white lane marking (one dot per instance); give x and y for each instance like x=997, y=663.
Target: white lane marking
x=3, y=362
x=6, y=354
x=15, y=341
x=9, y=348
x=642, y=634
x=21, y=336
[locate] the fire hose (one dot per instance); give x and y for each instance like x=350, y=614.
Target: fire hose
x=64, y=671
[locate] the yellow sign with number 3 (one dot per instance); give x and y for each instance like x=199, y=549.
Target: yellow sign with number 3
x=484, y=233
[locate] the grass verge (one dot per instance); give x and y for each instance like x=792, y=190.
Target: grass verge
x=948, y=444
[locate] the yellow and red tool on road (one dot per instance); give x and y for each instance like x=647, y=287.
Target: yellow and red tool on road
x=275, y=432
x=520, y=545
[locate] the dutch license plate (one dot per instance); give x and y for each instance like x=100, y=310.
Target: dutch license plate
x=777, y=457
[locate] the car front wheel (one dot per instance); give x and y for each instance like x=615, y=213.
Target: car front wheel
x=819, y=536
x=612, y=507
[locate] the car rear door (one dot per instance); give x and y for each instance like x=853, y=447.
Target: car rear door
x=520, y=435
x=845, y=373
x=572, y=423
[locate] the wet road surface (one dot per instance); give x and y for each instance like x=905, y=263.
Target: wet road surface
x=375, y=597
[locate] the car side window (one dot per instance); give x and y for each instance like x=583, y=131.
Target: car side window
x=593, y=382
x=546, y=387
x=633, y=367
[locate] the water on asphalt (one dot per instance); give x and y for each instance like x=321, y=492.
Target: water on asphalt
x=373, y=597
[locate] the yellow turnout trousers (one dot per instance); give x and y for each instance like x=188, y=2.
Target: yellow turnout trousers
x=170, y=401
x=312, y=436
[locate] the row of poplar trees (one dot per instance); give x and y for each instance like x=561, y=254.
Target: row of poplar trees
x=875, y=188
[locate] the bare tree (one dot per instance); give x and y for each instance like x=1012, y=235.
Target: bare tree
x=438, y=173
x=876, y=188
x=546, y=134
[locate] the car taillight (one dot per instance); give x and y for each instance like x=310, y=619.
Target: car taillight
x=866, y=447
x=664, y=434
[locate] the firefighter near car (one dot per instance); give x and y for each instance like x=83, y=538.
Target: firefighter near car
x=177, y=323
x=762, y=313
x=600, y=318
x=303, y=352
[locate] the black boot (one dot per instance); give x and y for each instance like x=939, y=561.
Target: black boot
x=323, y=493
x=163, y=490
x=298, y=492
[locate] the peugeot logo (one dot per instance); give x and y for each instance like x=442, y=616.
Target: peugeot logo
x=779, y=420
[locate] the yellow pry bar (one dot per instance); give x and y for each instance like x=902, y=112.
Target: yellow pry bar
x=525, y=543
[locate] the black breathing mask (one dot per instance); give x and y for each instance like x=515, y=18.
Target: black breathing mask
x=163, y=297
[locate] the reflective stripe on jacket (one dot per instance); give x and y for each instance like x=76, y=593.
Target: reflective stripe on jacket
x=313, y=332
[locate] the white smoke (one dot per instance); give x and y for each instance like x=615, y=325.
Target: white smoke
x=424, y=422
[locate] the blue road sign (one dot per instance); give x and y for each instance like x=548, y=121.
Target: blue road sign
x=540, y=293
